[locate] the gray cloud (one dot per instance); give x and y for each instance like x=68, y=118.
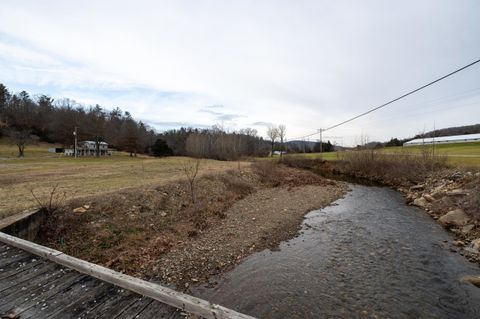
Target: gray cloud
x=215, y=106
x=267, y=124
x=168, y=125
x=220, y=116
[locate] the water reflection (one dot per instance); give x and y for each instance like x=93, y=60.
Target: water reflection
x=370, y=256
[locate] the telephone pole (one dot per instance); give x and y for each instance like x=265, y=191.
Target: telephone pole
x=320, y=132
x=75, y=146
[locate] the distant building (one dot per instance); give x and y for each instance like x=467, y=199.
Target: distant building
x=444, y=140
x=56, y=150
x=88, y=148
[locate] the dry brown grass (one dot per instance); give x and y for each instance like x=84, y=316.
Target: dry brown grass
x=118, y=223
x=86, y=176
x=396, y=170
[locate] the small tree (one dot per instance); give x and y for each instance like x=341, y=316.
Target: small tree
x=20, y=138
x=190, y=169
x=272, y=133
x=161, y=148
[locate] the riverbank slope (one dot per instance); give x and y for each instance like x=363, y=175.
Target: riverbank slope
x=158, y=232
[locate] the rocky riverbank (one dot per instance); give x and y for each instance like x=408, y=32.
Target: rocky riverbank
x=449, y=195
x=452, y=197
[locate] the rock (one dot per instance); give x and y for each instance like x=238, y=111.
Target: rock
x=467, y=229
x=163, y=214
x=475, y=245
x=79, y=210
x=459, y=243
x=420, y=202
x=455, y=217
x=457, y=192
x=417, y=187
x=474, y=280
x=456, y=176
x=86, y=206
x=429, y=197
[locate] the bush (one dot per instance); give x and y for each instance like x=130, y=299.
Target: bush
x=161, y=148
x=266, y=170
x=236, y=184
x=403, y=166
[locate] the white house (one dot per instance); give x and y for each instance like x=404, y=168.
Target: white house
x=88, y=148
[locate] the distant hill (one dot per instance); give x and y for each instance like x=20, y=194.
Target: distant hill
x=458, y=130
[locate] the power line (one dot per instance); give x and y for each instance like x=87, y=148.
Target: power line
x=392, y=101
x=404, y=95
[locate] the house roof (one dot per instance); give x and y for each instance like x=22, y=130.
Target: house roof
x=101, y=143
x=445, y=139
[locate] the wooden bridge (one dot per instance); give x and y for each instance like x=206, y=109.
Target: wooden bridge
x=39, y=282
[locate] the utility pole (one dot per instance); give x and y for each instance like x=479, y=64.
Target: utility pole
x=320, y=132
x=433, y=149
x=75, y=147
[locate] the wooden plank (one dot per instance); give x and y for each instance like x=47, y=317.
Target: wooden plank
x=12, y=256
x=157, y=310
x=23, y=301
x=20, y=266
x=113, y=306
x=135, y=308
x=86, y=301
x=4, y=247
x=7, y=221
x=166, y=295
x=42, y=270
x=62, y=299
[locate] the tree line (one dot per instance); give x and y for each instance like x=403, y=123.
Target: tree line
x=25, y=119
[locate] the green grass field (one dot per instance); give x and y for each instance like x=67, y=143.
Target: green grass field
x=461, y=154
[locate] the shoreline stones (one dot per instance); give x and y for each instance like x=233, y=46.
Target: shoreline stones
x=420, y=202
x=455, y=217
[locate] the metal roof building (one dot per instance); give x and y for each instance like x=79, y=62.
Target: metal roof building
x=444, y=140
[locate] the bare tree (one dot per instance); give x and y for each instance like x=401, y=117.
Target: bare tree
x=20, y=138
x=272, y=133
x=282, y=130
x=190, y=169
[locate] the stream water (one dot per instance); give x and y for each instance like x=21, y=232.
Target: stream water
x=367, y=256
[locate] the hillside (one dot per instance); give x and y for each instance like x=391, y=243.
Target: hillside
x=457, y=130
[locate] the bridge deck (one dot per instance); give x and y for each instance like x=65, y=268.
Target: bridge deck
x=33, y=287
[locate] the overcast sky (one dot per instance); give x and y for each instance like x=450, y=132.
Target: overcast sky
x=305, y=64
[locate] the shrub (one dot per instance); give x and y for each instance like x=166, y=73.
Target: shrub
x=388, y=167
x=236, y=184
x=266, y=170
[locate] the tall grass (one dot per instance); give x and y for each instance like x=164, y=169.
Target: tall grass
x=402, y=166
